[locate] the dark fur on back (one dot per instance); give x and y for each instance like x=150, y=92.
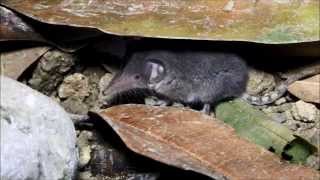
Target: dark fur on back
x=191, y=77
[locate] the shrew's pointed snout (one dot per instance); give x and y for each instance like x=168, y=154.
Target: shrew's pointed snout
x=118, y=85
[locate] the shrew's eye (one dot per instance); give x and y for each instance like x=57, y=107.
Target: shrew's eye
x=137, y=77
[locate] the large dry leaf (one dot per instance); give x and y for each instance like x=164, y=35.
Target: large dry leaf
x=12, y=27
x=266, y=21
x=14, y=63
x=16, y=27
x=194, y=141
x=308, y=89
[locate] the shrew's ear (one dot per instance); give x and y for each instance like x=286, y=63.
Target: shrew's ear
x=155, y=71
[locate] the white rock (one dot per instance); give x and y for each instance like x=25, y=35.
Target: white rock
x=38, y=139
x=305, y=112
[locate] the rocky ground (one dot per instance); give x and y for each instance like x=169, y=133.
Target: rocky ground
x=76, y=82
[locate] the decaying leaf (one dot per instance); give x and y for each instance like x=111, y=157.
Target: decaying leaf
x=257, y=127
x=16, y=27
x=246, y=20
x=194, y=141
x=12, y=27
x=308, y=89
x=14, y=63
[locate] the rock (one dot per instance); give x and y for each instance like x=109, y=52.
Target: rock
x=109, y=159
x=103, y=84
x=314, y=162
x=277, y=109
x=300, y=117
x=278, y=117
x=303, y=119
x=281, y=101
x=75, y=85
x=307, y=89
x=73, y=91
x=305, y=112
x=84, y=148
x=75, y=105
x=40, y=139
x=94, y=75
x=50, y=71
x=315, y=138
x=86, y=175
x=260, y=82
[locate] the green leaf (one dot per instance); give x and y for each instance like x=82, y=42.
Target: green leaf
x=257, y=127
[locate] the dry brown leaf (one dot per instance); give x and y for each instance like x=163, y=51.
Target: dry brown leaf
x=12, y=27
x=262, y=21
x=308, y=89
x=14, y=63
x=194, y=141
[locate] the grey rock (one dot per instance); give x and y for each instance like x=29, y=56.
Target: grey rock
x=315, y=138
x=73, y=91
x=281, y=101
x=302, y=118
x=314, y=162
x=277, y=109
x=74, y=85
x=75, y=105
x=38, y=139
x=260, y=82
x=86, y=175
x=51, y=69
x=103, y=84
x=94, y=74
x=278, y=117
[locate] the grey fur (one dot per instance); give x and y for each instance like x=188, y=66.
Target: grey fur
x=188, y=77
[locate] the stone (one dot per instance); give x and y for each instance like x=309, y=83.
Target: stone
x=50, y=71
x=75, y=85
x=305, y=112
x=278, y=117
x=73, y=92
x=75, y=105
x=277, y=109
x=86, y=175
x=315, y=138
x=302, y=118
x=94, y=74
x=38, y=138
x=84, y=148
x=307, y=89
x=103, y=84
x=314, y=162
x=260, y=82
x=281, y=101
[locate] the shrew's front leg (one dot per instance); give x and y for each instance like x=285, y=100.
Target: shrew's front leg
x=206, y=109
